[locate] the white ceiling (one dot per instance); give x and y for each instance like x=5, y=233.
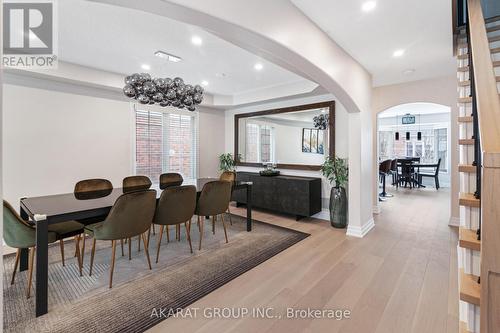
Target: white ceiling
x=421, y=27
x=414, y=109
x=120, y=40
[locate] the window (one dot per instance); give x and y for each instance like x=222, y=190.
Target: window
x=259, y=143
x=165, y=142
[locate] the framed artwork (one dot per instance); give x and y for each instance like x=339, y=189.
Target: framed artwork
x=312, y=141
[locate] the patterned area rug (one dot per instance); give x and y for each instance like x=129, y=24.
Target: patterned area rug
x=86, y=304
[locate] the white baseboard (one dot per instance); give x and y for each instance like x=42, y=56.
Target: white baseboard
x=376, y=209
x=323, y=215
x=454, y=222
x=360, y=231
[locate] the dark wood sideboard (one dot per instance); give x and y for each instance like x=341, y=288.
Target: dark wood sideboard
x=299, y=196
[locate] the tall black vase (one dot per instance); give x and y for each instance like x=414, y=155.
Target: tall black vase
x=338, y=207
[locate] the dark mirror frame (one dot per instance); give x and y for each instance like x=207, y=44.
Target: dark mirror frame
x=331, y=127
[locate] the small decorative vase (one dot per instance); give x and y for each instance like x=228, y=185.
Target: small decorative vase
x=338, y=207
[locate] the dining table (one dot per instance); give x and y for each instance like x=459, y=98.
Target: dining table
x=50, y=209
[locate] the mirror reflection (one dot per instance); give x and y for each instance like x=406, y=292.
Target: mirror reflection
x=298, y=137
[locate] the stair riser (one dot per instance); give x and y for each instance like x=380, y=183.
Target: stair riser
x=465, y=130
x=466, y=154
x=464, y=110
x=469, y=313
x=468, y=183
x=469, y=260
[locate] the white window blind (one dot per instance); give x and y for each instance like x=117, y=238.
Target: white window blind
x=165, y=142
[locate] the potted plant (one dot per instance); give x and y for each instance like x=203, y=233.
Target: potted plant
x=336, y=172
x=227, y=162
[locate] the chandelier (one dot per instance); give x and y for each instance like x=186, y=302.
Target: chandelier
x=162, y=91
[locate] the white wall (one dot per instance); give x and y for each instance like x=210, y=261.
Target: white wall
x=341, y=133
x=53, y=139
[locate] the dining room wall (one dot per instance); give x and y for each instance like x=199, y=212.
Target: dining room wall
x=52, y=139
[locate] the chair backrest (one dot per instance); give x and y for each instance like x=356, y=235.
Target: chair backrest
x=228, y=176
x=135, y=183
x=394, y=165
x=170, y=179
x=176, y=205
x=385, y=166
x=438, y=165
x=214, y=198
x=131, y=215
x=17, y=233
x=93, y=185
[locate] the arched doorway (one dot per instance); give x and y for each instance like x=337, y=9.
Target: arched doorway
x=416, y=138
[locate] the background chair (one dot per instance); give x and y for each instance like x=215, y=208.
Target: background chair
x=383, y=170
x=20, y=234
x=229, y=176
x=131, y=215
x=434, y=174
x=135, y=183
x=176, y=206
x=170, y=179
x=213, y=201
x=394, y=172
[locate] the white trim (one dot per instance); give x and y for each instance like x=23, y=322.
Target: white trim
x=356, y=231
x=323, y=215
x=454, y=221
x=376, y=209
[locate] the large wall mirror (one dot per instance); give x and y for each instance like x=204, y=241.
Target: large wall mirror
x=297, y=137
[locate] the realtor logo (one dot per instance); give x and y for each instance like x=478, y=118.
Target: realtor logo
x=29, y=34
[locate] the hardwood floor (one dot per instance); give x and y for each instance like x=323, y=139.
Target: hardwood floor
x=402, y=277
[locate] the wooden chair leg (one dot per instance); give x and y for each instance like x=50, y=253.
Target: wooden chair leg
x=61, y=245
x=168, y=234
x=149, y=234
x=154, y=231
x=92, y=254
x=213, y=225
x=30, y=271
x=121, y=243
x=146, y=250
x=159, y=243
x=78, y=256
x=139, y=243
x=201, y=221
x=83, y=247
x=16, y=264
x=188, y=236
x=112, y=268
x=229, y=212
x=224, y=226
x=130, y=249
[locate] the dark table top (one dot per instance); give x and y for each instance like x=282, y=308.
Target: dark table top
x=71, y=203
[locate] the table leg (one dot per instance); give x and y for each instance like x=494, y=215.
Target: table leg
x=23, y=260
x=249, y=207
x=41, y=267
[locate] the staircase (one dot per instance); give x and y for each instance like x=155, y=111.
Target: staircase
x=469, y=245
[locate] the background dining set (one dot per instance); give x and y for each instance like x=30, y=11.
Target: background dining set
x=407, y=171
x=134, y=213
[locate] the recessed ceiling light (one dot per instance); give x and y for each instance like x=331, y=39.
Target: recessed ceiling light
x=369, y=6
x=146, y=67
x=258, y=66
x=398, y=53
x=409, y=71
x=168, y=56
x=221, y=75
x=196, y=40
x=204, y=83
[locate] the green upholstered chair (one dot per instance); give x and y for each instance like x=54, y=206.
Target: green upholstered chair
x=176, y=206
x=170, y=179
x=86, y=189
x=135, y=183
x=213, y=201
x=229, y=176
x=20, y=234
x=131, y=215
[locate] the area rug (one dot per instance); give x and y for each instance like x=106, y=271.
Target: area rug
x=86, y=304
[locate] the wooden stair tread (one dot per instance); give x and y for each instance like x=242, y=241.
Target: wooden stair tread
x=463, y=69
x=462, y=327
x=469, y=200
x=467, y=168
x=470, y=290
x=467, y=238
x=464, y=83
x=466, y=119
x=466, y=142
x=495, y=50
x=463, y=56
x=465, y=100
